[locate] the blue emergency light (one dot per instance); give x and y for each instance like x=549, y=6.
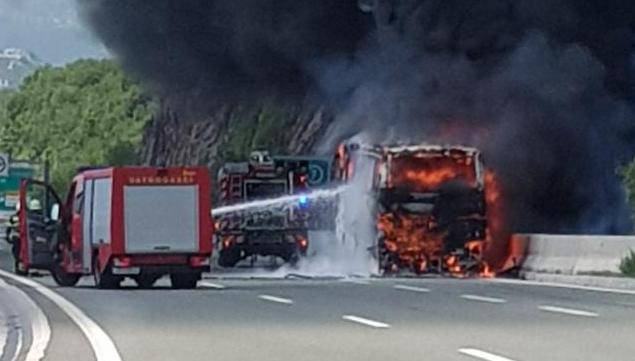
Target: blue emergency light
x=304, y=201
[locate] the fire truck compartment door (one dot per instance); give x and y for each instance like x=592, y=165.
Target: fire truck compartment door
x=160, y=219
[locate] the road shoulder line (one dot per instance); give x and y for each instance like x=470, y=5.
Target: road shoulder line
x=559, y=285
x=29, y=315
x=18, y=346
x=4, y=333
x=102, y=345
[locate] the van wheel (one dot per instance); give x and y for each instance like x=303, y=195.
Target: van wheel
x=104, y=280
x=146, y=281
x=18, y=269
x=184, y=281
x=62, y=278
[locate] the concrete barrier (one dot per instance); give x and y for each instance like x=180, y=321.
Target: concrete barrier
x=570, y=254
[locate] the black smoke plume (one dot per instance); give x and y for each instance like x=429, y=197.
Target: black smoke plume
x=542, y=86
x=226, y=50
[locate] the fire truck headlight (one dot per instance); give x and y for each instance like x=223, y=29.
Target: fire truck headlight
x=302, y=242
x=228, y=242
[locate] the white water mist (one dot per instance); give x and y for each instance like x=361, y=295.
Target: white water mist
x=349, y=249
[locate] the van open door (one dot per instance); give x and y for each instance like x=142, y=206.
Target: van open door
x=39, y=216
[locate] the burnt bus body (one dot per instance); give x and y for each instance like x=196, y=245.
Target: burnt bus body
x=278, y=230
x=430, y=205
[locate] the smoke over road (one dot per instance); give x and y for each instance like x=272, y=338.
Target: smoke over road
x=225, y=50
x=543, y=87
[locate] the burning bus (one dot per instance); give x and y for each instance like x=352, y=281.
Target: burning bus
x=429, y=204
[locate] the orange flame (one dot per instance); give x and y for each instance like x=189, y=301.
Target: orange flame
x=409, y=237
x=426, y=173
x=413, y=238
x=431, y=179
x=497, y=232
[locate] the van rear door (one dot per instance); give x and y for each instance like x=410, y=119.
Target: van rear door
x=161, y=218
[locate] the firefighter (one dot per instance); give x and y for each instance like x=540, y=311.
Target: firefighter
x=13, y=231
x=13, y=235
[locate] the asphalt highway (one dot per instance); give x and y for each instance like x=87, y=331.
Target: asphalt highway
x=237, y=318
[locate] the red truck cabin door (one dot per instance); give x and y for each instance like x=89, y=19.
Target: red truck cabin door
x=39, y=225
x=96, y=218
x=82, y=213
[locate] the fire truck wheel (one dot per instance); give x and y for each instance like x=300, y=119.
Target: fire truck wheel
x=184, y=281
x=293, y=258
x=64, y=279
x=146, y=281
x=105, y=279
x=228, y=259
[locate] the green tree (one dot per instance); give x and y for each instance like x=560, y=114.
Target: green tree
x=5, y=95
x=627, y=174
x=86, y=113
x=627, y=266
x=265, y=128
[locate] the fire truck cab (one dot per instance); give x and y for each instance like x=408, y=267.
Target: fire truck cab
x=278, y=231
x=136, y=222
x=429, y=201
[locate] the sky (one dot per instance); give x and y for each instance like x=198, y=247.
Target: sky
x=50, y=29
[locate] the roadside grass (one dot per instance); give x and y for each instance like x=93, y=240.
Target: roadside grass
x=627, y=266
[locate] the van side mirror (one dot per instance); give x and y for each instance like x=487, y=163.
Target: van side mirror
x=55, y=212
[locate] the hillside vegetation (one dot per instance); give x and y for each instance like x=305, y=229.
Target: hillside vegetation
x=90, y=113
x=86, y=113
x=627, y=174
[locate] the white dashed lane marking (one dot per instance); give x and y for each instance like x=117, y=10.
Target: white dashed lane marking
x=483, y=299
x=411, y=288
x=275, y=299
x=482, y=355
x=568, y=311
x=365, y=321
x=217, y=286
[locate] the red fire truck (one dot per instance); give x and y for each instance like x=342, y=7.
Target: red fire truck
x=279, y=230
x=137, y=222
